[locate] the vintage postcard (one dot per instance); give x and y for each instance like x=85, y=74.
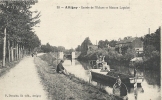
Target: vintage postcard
x=80, y=49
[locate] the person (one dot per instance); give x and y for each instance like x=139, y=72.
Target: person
x=122, y=87
x=99, y=61
x=61, y=69
x=105, y=67
x=32, y=54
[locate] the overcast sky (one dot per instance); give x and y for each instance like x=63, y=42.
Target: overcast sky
x=69, y=27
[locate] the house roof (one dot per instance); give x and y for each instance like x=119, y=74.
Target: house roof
x=129, y=40
x=92, y=46
x=137, y=59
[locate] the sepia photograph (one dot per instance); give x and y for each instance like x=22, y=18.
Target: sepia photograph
x=80, y=49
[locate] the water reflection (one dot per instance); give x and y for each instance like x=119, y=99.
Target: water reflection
x=152, y=77
x=77, y=69
x=149, y=89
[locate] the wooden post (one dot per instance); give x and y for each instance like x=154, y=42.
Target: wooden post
x=9, y=54
x=4, y=49
x=135, y=84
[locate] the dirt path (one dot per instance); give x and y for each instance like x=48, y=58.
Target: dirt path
x=22, y=82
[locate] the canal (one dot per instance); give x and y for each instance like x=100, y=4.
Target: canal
x=149, y=89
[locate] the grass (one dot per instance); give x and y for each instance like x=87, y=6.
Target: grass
x=4, y=70
x=61, y=87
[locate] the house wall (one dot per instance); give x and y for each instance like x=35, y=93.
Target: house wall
x=137, y=43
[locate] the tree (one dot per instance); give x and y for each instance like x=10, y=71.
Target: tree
x=46, y=48
x=101, y=44
x=84, y=46
x=16, y=18
x=152, y=50
x=54, y=49
x=61, y=48
x=152, y=42
x=131, y=53
x=112, y=43
x=78, y=48
x=148, y=50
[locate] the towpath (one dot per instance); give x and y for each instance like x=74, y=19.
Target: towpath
x=22, y=82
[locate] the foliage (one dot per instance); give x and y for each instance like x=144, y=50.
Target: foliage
x=69, y=51
x=84, y=46
x=112, y=43
x=152, y=63
x=48, y=48
x=131, y=53
x=152, y=39
x=106, y=43
x=148, y=50
x=102, y=44
x=17, y=18
x=151, y=55
x=78, y=48
x=61, y=48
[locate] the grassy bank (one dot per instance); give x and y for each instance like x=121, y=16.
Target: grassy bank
x=61, y=87
x=4, y=70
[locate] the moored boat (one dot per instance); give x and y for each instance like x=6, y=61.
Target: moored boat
x=109, y=78
x=104, y=75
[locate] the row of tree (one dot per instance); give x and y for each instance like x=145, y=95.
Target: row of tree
x=16, y=25
x=49, y=48
x=83, y=48
x=106, y=43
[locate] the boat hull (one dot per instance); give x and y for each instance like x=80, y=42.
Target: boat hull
x=104, y=79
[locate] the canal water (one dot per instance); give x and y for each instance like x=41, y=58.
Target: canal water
x=149, y=89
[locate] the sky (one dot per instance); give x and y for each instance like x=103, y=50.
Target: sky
x=69, y=27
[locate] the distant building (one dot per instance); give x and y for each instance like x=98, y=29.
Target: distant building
x=134, y=43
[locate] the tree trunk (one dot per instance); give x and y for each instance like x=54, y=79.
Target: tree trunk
x=9, y=54
x=22, y=50
x=17, y=51
x=12, y=59
x=4, y=49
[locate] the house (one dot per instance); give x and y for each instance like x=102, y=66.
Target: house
x=134, y=43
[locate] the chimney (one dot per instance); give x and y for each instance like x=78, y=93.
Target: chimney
x=96, y=42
